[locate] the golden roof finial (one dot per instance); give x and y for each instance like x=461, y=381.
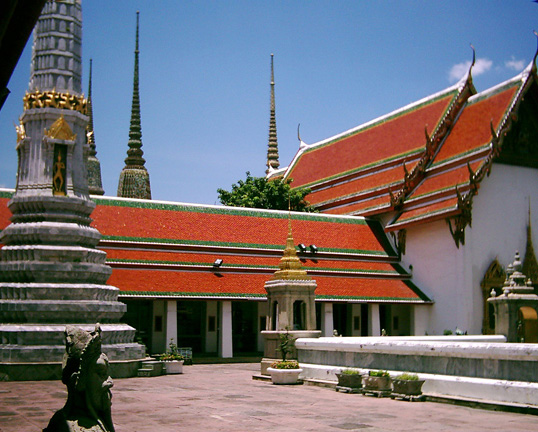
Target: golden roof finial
x=290, y=266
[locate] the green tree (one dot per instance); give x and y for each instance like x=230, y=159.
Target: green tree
x=258, y=192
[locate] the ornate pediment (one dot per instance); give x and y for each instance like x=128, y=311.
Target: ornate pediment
x=60, y=130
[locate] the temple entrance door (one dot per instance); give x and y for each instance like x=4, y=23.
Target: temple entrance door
x=191, y=325
x=140, y=316
x=244, y=322
x=340, y=318
x=527, y=329
x=493, y=280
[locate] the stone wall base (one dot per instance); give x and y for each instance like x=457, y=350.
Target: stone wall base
x=53, y=371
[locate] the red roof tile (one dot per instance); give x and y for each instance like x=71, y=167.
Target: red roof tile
x=380, y=179
x=5, y=214
x=223, y=226
x=393, y=136
x=239, y=260
x=445, y=179
x=204, y=284
x=429, y=212
x=362, y=206
x=472, y=129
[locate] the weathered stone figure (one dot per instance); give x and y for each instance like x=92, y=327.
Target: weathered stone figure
x=85, y=373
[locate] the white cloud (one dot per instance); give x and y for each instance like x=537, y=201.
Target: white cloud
x=482, y=65
x=517, y=65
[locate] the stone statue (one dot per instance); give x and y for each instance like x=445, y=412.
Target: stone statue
x=85, y=373
x=58, y=179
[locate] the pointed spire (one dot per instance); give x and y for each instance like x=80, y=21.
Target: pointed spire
x=95, y=185
x=290, y=266
x=134, y=178
x=530, y=265
x=272, y=151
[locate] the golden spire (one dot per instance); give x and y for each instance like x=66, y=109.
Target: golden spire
x=290, y=266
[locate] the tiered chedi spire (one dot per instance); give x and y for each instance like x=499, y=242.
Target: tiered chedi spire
x=95, y=185
x=290, y=293
x=134, y=178
x=272, y=151
x=51, y=273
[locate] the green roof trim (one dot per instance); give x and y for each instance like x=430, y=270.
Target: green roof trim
x=230, y=244
x=186, y=294
x=423, y=215
x=518, y=83
x=253, y=266
x=382, y=189
x=437, y=191
x=369, y=298
x=263, y=296
x=461, y=155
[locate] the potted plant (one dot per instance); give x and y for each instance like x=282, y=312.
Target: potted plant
x=173, y=360
x=377, y=380
x=285, y=371
x=407, y=384
x=349, y=378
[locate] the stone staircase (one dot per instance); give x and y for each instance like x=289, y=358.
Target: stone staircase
x=151, y=368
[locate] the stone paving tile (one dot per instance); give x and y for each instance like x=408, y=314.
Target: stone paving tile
x=225, y=398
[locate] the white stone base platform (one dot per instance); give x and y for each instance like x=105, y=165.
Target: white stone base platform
x=454, y=387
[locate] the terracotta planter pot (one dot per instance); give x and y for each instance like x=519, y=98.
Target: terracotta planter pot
x=173, y=367
x=284, y=376
x=407, y=387
x=376, y=383
x=351, y=381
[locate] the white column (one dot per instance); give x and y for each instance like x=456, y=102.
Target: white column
x=327, y=319
x=374, y=325
x=419, y=319
x=225, y=334
x=171, y=322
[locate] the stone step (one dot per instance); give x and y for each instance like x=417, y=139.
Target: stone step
x=151, y=368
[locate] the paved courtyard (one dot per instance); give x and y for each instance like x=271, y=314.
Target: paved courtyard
x=224, y=397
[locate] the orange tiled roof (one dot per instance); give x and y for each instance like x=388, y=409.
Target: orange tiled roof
x=395, y=135
x=464, y=157
x=168, y=249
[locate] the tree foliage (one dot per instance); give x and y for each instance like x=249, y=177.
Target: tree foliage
x=258, y=192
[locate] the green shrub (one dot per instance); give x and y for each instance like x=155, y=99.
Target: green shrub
x=378, y=373
x=285, y=364
x=408, y=377
x=350, y=372
x=173, y=353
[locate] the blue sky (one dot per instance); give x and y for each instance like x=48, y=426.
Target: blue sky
x=205, y=72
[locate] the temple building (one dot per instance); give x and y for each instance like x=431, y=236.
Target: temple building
x=451, y=178
x=420, y=211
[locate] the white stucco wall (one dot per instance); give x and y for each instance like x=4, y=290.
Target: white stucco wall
x=451, y=276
